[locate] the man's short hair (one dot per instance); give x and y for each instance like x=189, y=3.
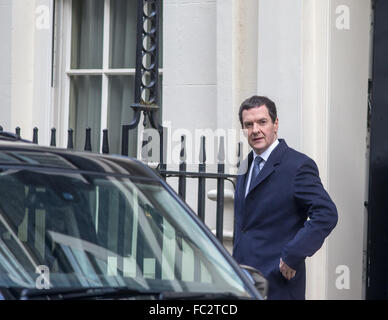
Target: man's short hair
x=258, y=101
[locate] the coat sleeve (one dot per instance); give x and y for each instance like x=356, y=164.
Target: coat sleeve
x=316, y=203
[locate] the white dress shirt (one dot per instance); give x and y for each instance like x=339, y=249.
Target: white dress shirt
x=265, y=155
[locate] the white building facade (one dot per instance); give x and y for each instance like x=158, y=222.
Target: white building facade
x=312, y=57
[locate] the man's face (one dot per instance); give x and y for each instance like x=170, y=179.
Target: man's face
x=261, y=131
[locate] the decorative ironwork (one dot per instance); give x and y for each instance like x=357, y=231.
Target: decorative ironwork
x=147, y=72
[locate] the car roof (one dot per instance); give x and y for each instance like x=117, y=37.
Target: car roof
x=22, y=153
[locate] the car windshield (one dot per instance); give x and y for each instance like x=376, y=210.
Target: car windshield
x=83, y=230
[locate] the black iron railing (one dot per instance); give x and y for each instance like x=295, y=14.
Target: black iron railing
x=201, y=175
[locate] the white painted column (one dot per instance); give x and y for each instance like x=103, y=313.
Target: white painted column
x=30, y=68
x=333, y=132
x=314, y=118
x=5, y=65
x=350, y=24
x=22, y=65
x=42, y=91
x=314, y=65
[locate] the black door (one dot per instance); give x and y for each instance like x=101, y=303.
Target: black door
x=377, y=250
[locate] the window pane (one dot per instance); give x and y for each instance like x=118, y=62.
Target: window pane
x=123, y=34
x=85, y=110
x=123, y=31
x=121, y=96
x=87, y=34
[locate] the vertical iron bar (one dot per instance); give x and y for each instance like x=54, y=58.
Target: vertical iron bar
x=105, y=142
x=124, y=140
x=88, y=143
x=70, y=143
x=201, y=181
x=220, y=191
x=162, y=151
x=53, y=142
x=239, y=154
x=201, y=199
x=239, y=159
x=182, y=168
x=35, y=135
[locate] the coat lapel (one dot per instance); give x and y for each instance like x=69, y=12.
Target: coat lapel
x=242, y=178
x=270, y=165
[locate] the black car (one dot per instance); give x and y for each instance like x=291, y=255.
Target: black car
x=79, y=225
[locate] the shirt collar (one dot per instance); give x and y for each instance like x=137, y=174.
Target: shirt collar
x=265, y=155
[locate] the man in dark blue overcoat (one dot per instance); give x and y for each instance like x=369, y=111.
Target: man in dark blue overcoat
x=282, y=212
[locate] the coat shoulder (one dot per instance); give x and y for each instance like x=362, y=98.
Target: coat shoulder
x=296, y=157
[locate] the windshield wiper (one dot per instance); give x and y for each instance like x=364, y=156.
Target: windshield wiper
x=83, y=293
x=200, y=296
x=120, y=292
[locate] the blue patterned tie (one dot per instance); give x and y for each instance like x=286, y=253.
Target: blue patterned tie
x=255, y=171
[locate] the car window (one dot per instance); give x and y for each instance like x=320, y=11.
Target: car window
x=93, y=230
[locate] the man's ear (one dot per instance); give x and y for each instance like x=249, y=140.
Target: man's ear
x=276, y=125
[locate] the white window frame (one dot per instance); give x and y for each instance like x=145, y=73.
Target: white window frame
x=64, y=72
